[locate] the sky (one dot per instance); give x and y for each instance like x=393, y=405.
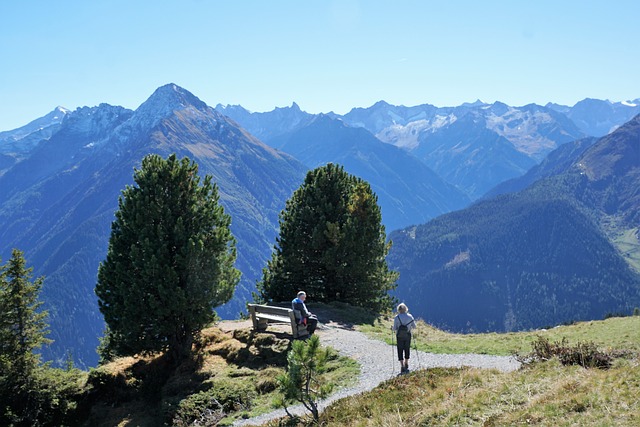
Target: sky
x=324, y=55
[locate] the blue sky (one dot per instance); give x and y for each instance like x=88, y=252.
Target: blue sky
x=324, y=55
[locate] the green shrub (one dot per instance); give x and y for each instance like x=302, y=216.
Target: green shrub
x=112, y=388
x=233, y=395
x=49, y=398
x=208, y=407
x=198, y=409
x=267, y=380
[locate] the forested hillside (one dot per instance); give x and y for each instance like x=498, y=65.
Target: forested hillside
x=531, y=259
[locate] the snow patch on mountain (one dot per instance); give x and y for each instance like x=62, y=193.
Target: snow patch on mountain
x=521, y=128
x=406, y=136
x=53, y=118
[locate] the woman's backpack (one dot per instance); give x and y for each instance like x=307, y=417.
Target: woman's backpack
x=403, y=331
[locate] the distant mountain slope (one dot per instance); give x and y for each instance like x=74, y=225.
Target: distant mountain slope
x=473, y=146
x=555, y=163
x=268, y=125
x=532, y=129
x=58, y=204
x=610, y=174
x=539, y=257
x=16, y=144
x=610, y=166
x=598, y=118
x=408, y=191
x=470, y=156
x=382, y=115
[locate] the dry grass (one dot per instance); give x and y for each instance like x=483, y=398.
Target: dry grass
x=235, y=369
x=542, y=394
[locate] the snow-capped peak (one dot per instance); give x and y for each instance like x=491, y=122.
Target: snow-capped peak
x=163, y=102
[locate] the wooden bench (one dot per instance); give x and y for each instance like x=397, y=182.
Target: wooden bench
x=262, y=315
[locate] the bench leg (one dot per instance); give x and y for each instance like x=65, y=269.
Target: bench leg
x=300, y=331
x=262, y=324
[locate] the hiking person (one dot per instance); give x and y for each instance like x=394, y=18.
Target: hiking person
x=306, y=317
x=403, y=324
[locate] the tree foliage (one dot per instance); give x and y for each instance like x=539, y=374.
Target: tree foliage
x=169, y=262
x=331, y=244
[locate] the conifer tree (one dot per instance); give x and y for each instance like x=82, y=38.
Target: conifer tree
x=23, y=327
x=169, y=263
x=306, y=362
x=331, y=244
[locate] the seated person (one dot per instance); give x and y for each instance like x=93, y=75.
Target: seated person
x=307, y=317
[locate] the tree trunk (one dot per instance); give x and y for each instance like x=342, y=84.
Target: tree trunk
x=180, y=348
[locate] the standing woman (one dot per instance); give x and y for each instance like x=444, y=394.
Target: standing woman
x=403, y=324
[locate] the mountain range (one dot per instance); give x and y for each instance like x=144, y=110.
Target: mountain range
x=61, y=176
x=474, y=146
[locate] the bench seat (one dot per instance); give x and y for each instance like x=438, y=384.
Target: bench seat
x=273, y=317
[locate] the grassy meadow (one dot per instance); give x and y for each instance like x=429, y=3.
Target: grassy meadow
x=541, y=393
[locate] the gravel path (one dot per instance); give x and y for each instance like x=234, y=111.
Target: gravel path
x=378, y=363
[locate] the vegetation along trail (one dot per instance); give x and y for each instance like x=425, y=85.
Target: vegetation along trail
x=378, y=362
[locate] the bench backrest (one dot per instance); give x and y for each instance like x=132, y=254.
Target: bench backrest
x=268, y=309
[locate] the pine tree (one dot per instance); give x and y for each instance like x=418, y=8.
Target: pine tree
x=23, y=327
x=169, y=263
x=331, y=244
x=23, y=330
x=302, y=382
